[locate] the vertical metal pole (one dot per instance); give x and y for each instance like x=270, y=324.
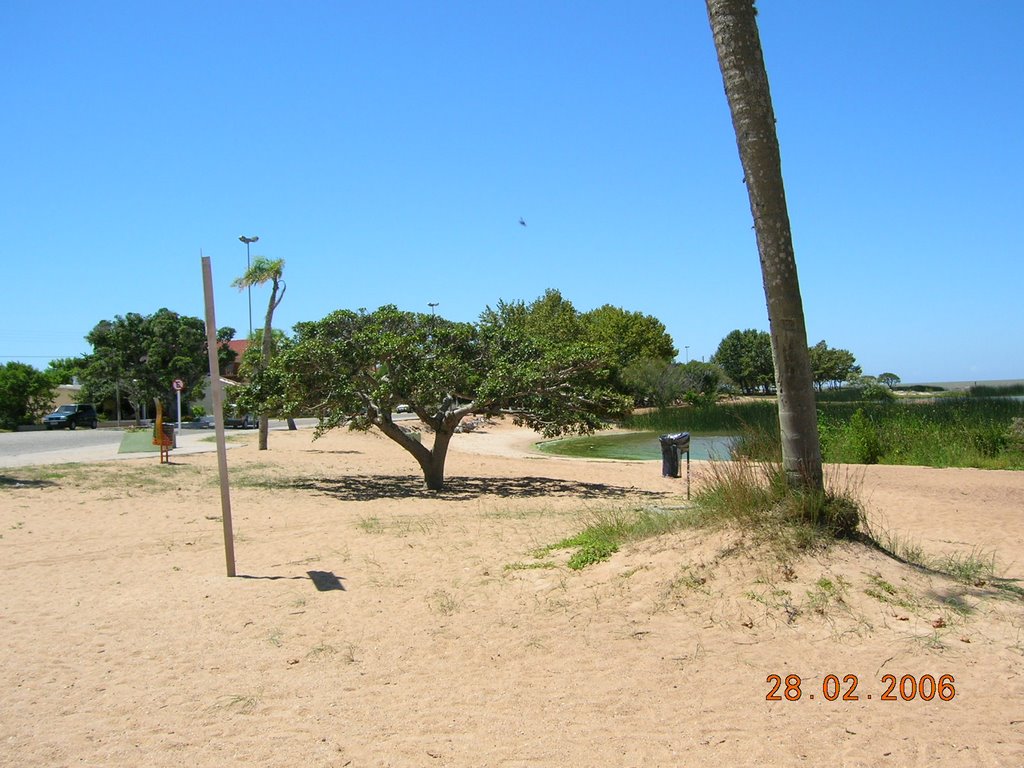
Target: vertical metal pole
x=248, y=265
x=218, y=415
x=687, y=474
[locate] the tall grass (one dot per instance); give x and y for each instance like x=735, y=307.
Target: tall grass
x=982, y=390
x=756, y=494
x=947, y=432
x=954, y=432
x=726, y=418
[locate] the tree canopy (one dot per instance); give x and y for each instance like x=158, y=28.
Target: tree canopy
x=264, y=270
x=832, y=366
x=746, y=358
x=64, y=370
x=141, y=355
x=355, y=368
x=25, y=394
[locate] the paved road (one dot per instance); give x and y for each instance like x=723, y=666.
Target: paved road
x=22, y=449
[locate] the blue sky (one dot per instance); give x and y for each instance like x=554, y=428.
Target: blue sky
x=387, y=152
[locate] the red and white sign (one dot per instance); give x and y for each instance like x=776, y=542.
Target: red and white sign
x=178, y=385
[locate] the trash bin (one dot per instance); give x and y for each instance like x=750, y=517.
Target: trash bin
x=167, y=439
x=672, y=447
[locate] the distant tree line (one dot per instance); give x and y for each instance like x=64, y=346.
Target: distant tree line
x=746, y=359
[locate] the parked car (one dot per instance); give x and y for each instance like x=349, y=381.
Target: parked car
x=71, y=416
x=403, y=408
x=241, y=421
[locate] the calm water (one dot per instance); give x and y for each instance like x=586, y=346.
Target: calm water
x=635, y=445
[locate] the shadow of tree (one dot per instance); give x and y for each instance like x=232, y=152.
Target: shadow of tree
x=19, y=482
x=369, y=487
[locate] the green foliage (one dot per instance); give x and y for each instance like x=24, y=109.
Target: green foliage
x=874, y=390
x=832, y=366
x=627, y=336
x=1015, y=435
x=721, y=419
x=225, y=355
x=945, y=432
x=25, y=394
x=143, y=355
x=756, y=494
x=653, y=382
x=701, y=382
x=611, y=529
x=746, y=358
x=620, y=338
x=888, y=379
x=252, y=358
x=983, y=390
x=864, y=442
x=354, y=368
x=261, y=270
x=66, y=369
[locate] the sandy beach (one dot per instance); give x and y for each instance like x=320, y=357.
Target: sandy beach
x=376, y=624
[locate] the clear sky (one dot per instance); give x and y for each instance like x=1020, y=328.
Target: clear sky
x=387, y=151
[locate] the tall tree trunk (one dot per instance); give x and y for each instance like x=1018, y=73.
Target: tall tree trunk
x=265, y=353
x=734, y=26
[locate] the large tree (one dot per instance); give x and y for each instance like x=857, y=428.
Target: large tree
x=355, y=368
x=746, y=358
x=832, y=366
x=628, y=336
x=738, y=44
x=25, y=394
x=64, y=370
x=264, y=270
x=140, y=356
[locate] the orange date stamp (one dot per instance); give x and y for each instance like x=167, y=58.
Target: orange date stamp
x=897, y=688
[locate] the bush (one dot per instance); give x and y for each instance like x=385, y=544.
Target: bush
x=1015, y=435
x=864, y=439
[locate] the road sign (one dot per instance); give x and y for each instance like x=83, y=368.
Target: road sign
x=178, y=385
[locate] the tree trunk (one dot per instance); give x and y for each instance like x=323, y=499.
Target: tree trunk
x=431, y=460
x=265, y=353
x=734, y=26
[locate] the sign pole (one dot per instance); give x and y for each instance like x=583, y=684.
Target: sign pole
x=218, y=415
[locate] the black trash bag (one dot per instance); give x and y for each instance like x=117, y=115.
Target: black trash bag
x=671, y=448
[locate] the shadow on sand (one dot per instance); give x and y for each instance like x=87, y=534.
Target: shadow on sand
x=370, y=487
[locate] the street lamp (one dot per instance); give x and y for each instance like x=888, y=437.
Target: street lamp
x=432, y=304
x=687, y=348
x=248, y=266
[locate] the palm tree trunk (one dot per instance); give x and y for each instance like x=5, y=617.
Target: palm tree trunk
x=734, y=26
x=265, y=353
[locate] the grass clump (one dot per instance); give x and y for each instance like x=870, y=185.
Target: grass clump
x=535, y=566
x=756, y=495
x=610, y=529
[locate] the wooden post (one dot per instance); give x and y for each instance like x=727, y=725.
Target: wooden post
x=218, y=416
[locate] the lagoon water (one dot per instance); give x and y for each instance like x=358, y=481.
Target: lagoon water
x=635, y=445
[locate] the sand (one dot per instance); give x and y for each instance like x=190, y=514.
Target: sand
x=376, y=624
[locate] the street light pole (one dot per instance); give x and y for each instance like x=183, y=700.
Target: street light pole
x=687, y=348
x=432, y=304
x=248, y=266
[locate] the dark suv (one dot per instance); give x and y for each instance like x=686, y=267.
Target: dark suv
x=71, y=416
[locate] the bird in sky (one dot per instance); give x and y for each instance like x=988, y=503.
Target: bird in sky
x=522, y=221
